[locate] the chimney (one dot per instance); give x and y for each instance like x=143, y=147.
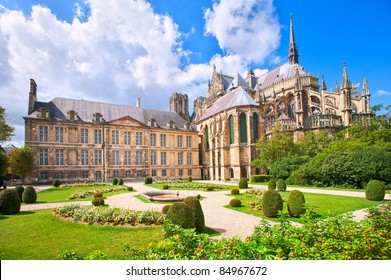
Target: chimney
x=138, y=102
x=32, y=96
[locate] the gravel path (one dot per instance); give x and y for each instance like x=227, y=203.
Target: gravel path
x=226, y=221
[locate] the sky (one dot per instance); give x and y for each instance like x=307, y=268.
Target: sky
x=118, y=51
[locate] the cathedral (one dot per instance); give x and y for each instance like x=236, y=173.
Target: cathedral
x=237, y=110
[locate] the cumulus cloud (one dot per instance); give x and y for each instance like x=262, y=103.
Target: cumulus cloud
x=246, y=28
x=383, y=92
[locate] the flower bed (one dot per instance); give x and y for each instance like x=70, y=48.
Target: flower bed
x=108, y=216
x=84, y=194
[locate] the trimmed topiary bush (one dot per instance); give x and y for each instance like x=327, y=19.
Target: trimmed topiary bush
x=209, y=188
x=166, y=208
x=296, y=204
x=271, y=185
x=271, y=203
x=19, y=190
x=235, y=191
x=130, y=188
x=190, y=179
x=281, y=185
x=180, y=214
x=56, y=183
x=243, y=183
x=115, y=181
x=120, y=181
x=198, y=214
x=148, y=180
x=375, y=190
x=98, y=201
x=98, y=194
x=9, y=202
x=235, y=202
x=29, y=195
x=166, y=187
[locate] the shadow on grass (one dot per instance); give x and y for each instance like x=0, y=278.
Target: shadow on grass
x=3, y=217
x=23, y=213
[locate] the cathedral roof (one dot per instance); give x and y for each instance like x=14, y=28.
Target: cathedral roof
x=238, y=81
x=59, y=107
x=234, y=98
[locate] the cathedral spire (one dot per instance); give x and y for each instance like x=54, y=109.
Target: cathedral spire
x=345, y=79
x=323, y=84
x=293, y=52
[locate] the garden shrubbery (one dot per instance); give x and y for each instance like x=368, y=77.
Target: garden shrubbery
x=271, y=203
x=235, y=202
x=115, y=181
x=9, y=202
x=243, y=184
x=259, y=178
x=296, y=204
x=120, y=182
x=98, y=201
x=281, y=185
x=29, y=195
x=235, y=191
x=375, y=190
x=19, y=190
x=180, y=214
x=198, y=214
x=56, y=183
x=271, y=185
x=148, y=180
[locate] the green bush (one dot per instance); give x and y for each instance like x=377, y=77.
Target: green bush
x=235, y=202
x=98, y=201
x=243, y=183
x=9, y=202
x=180, y=214
x=271, y=185
x=166, y=208
x=235, y=191
x=296, y=204
x=375, y=190
x=98, y=194
x=115, y=181
x=56, y=183
x=190, y=179
x=209, y=188
x=120, y=181
x=271, y=203
x=259, y=178
x=148, y=180
x=130, y=188
x=29, y=195
x=281, y=185
x=198, y=214
x=166, y=187
x=19, y=190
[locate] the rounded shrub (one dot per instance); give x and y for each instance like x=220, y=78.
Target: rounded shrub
x=130, y=188
x=98, y=201
x=9, y=202
x=271, y=185
x=235, y=202
x=296, y=203
x=209, y=188
x=235, y=191
x=166, y=208
x=56, y=183
x=19, y=190
x=166, y=187
x=98, y=194
x=180, y=214
x=243, y=183
x=281, y=185
x=148, y=180
x=198, y=214
x=115, y=181
x=190, y=179
x=29, y=195
x=120, y=181
x=271, y=203
x=375, y=190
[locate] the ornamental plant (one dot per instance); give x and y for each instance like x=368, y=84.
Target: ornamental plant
x=243, y=183
x=271, y=203
x=375, y=190
x=115, y=181
x=56, y=183
x=98, y=201
x=235, y=191
x=296, y=204
x=120, y=181
x=235, y=202
x=148, y=180
x=29, y=195
x=281, y=185
x=180, y=214
x=271, y=185
x=9, y=202
x=19, y=190
x=198, y=214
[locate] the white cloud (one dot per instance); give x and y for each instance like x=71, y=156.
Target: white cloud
x=383, y=92
x=246, y=28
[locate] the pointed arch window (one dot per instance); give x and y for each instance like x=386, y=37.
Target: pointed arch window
x=291, y=107
x=243, y=128
x=255, y=127
x=231, y=129
x=207, y=137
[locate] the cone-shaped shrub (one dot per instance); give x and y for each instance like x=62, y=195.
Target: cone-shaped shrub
x=19, y=190
x=243, y=183
x=271, y=203
x=120, y=181
x=281, y=185
x=29, y=195
x=190, y=179
x=180, y=214
x=9, y=202
x=198, y=214
x=296, y=203
x=375, y=190
x=235, y=202
x=115, y=181
x=271, y=185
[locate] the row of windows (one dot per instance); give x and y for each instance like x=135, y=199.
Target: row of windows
x=115, y=139
x=115, y=157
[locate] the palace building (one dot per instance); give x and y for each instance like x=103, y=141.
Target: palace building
x=80, y=140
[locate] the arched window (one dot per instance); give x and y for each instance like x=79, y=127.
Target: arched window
x=255, y=127
x=243, y=128
x=231, y=129
x=207, y=136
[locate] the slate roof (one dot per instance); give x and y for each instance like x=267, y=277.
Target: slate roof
x=234, y=98
x=227, y=80
x=238, y=81
x=59, y=107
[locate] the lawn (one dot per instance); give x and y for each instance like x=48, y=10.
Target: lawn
x=39, y=235
x=323, y=204
x=192, y=186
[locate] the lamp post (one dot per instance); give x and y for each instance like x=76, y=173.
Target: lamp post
x=103, y=151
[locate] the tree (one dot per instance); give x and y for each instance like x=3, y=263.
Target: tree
x=3, y=164
x=6, y=131
x=21, y=161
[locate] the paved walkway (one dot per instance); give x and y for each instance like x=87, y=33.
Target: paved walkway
x=226, y=221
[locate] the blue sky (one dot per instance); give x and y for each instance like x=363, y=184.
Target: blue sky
x=117, y=51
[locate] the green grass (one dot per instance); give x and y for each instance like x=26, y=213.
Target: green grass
x=323, y=204
x=61, y=194
x=39, y=235
x=190, y=186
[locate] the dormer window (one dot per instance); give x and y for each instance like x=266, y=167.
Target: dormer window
x=98, y=118
x=72, y=115
x=43, y=113
x=152, y=123
x=171, y=124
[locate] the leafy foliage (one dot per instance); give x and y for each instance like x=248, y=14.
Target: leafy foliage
x=120, y=181
x=29, y=195
x=283, y=168
x=259, y=178
x=375, y=190
x=243, y=183
x=148, y=180
x=235, y=202
x=190, y=179
x=180, y=214
x=296, y=204
x=3, y=164
x=98, y=201
x=281, y=185
x=21, y=161
x=19, y=190
x=6, y=131
x=56, y=183
x=271, y=203
x=198, y=214
x=166, y=208
x=235, y=191
x=115, y=181
x=9, y=202
x=271, y=185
